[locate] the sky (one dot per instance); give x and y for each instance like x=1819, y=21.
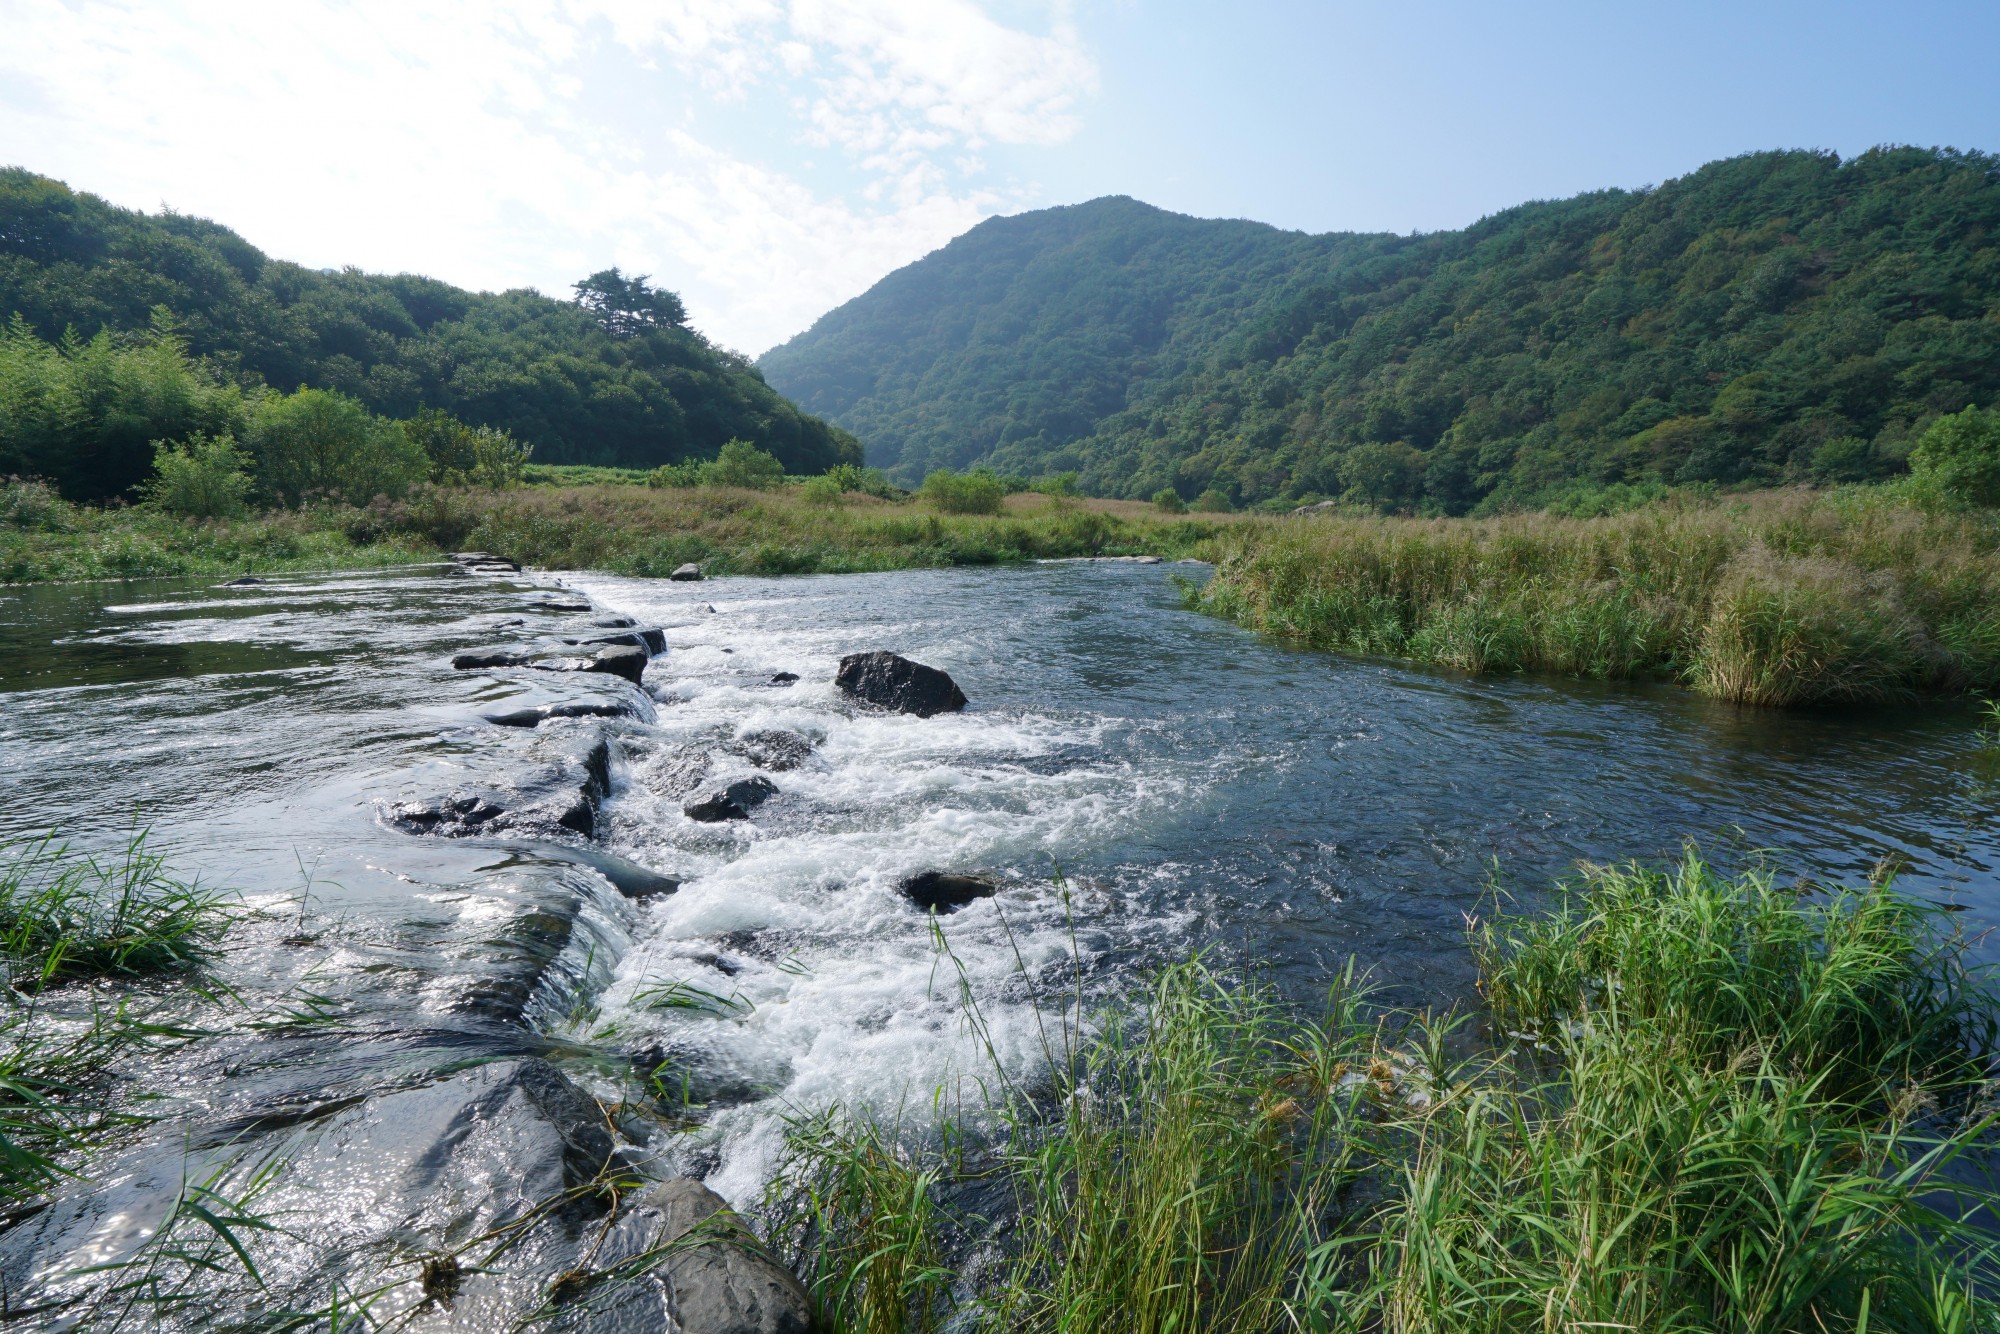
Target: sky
x=770, y=159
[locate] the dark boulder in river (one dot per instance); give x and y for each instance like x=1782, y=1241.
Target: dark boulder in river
x=891, y=681
x=247, y=581
x=653, y=641
x=945, y=891
x=785, y=679
x=624, y=660
x=734, y=802
x=687, y=574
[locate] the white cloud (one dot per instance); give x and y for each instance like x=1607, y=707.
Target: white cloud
x=523, y=142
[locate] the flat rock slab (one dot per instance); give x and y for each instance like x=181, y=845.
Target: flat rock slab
x=535, y=717
x=947, y=891
x=624, y=660
x=734, y=802
x=891, y=681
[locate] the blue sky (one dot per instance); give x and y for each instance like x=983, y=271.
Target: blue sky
x=772, y=158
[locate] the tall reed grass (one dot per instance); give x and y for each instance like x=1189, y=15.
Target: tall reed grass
x=1709, y=1103
x=1782, y=598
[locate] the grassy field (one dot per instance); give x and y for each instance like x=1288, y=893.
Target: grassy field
x=1784, y=598
x=1780, y=598
x=619, y=527
x=1702, y=1103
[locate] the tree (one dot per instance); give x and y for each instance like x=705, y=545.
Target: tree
x=203, y=478
x=743, y=464
x=627, y=307
x=314, y=442
x=1387, y=476
x=1961, y=455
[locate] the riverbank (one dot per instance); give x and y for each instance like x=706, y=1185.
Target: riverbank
x=1700, y=1102
x=1778, y=598
x=1781, y=598
x=621, y=529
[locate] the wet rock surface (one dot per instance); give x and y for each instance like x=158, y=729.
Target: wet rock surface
x=734, y=802
x=687, y=574
x=891, y=681
x=774, y=749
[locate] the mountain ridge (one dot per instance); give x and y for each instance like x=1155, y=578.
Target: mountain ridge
x=1778, y=316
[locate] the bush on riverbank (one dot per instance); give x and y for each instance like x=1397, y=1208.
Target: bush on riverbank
x=1746, y=1120
x=1784, y=598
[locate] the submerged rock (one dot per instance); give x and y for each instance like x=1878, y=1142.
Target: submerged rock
x=687, y=574
x=627, y=877
x=784, y=679
x=247, y=581
x=947, y=891
x=560, y=797
x=891, y=681
x=776, y=749
x=613, y=623
x=734, y=802
x=562, y=604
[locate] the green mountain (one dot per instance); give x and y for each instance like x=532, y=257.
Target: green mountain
x=1774, y=317
x=621, y=381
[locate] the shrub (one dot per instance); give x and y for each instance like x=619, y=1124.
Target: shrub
x=743, y=464
x=463, y=455
x=675, y=474
x=1960, y=455
x=975, y=492
x=317, y=442
x=1057, y=484
x=1213, y=501
x=33, y=503
x=204, y=478
x=821, y=491
x=1168, y=501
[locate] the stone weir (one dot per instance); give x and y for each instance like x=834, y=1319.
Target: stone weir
x=413, y=1145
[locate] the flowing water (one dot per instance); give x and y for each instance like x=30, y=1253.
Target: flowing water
x=1144, y=781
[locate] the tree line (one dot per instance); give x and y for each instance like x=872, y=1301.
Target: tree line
x=612, y=377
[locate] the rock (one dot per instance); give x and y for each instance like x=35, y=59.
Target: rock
x=653, y=641
x=613, y=623
x=712, y=1275
x=485, y=561
x=247, y=581
x=627, y=877
x=734, y=802
x=776, y=750
x=890, y=681
x=945, y=891
x=481, y=659
x=623, y=660
x=785, y=679
x=709, y=607
x=537, y=716
x=1322, y=507
x=558, y=798
x=689, y=573
x=557, y=604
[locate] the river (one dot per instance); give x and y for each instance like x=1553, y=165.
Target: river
x=1143, y=781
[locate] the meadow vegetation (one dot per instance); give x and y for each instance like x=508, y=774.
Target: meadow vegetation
x=1697, y=1102
x=1778, y=598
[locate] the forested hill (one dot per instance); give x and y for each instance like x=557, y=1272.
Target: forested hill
x=1026, y=332
x=581, y=385
x=1779, y=316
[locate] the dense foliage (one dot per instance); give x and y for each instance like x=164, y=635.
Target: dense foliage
x=1776, y=317
x=612, y=378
